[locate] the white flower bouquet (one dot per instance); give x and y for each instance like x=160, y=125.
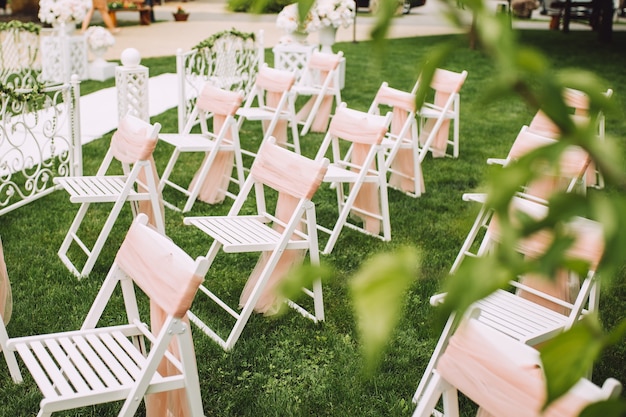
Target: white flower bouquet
x=289, y=21
x=63, y=11
x=335, y=13
x=323, y=13
x=98, y=38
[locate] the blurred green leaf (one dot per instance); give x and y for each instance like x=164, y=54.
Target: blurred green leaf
x=570, y=355
x=377, y=291
x=609, y=408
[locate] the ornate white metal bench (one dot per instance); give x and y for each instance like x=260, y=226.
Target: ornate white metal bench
x=229, y=59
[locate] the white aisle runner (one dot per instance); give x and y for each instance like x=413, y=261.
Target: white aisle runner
x=98, y=111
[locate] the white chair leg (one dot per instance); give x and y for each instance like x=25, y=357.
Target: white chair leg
x=9, y=356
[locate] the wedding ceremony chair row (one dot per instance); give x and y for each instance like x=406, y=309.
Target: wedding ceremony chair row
x=270, y=103
x=283, y=238
x=502, y=376
x=319, y=81
x=229, y=59
x=220, y=146
x=131, y=149
x=535, y=308
x=435, y=117
x=127, y=362
x=357, y=172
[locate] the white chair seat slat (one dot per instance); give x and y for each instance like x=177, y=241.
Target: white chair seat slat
x=83, y=188
x=519, y=318
x=129, y=347
x=36, y=370
x=110, y=360
x=51, y=369
x=337, y=173
x=99, y=366
x=81, y=364
x=66, y=366
x=239, y=234
x=255, y=113
x=121, y=355
x=189, y=142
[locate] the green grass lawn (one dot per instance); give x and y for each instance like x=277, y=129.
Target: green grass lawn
x=287, y=365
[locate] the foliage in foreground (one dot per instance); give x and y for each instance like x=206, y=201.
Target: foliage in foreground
x=526, y=73
x=287, y=366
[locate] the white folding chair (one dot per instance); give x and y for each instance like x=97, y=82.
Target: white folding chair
x=283, y=238
x=357, y=172
x=132, y=146
x=571, y=172
x=578, y=102
x=94, y=365
x=6, y=309
x=502, y=376
x=220, y=147
x=435, y=117
x=320, y=81
x=534, y=309
x=270, y=102
x=403, y=153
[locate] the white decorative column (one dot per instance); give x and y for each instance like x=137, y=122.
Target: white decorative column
x=63, y=55
x=292, y=56
x=131, y=80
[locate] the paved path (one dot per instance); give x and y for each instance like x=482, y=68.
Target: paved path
x=210, y=16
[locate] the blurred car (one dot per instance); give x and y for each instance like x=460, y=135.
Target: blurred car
x=372, y=5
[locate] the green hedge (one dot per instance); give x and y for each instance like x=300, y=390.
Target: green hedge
x=258, y=6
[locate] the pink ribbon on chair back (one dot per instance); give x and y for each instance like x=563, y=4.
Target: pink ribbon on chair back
x=446, y=84
x=168, y=277
x=276, y=83
x=6, y=297
x=573, y=164
x=502, y=376
x=324, y=63
x=588, y=246
x=295, y=177
x=132, y=143
x=364, y=131
x=222, y=104
x=402, y=104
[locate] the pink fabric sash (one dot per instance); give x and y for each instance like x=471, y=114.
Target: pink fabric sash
x=6, y=298
x=364, y=131
x=269, y=303
x=402, y=104
x=324, y=64
x=275, y=83
x=588, y=246
x=222, y=104
x=305, y=177
x=131, y=143
x=145, y=206
x=572, y=165
x=446, y=84
x=503, y=380
x=168, y=277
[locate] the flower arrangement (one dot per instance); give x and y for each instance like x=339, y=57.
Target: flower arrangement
x=323, y=13
x=99, y=38
x=288, y=19
x=335, y=13
x=63, y=11
x=180, y=10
